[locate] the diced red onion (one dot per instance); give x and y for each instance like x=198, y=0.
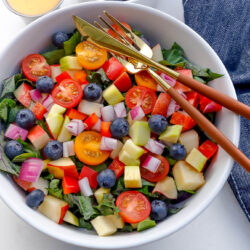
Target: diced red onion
x=172, y=107
x=137, y=113
x=75, y=127
x=14, y=132
x=97, y=126
x=154, y=146
x=35, y=95
x=108, y=143
x=120, y=110
x=151, y=163
x=48, y=102
x=85, y=187
x=108, y=113
x=68, y=149
x=171, y=81
x=31, y=169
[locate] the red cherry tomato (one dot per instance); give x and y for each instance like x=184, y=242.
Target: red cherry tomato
x=141, y=96
x=34, y=66
x=161, y=172
x=134, y=206
x=68, y=93
x=120, y=31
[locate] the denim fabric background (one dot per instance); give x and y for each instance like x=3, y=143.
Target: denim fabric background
x=225, y=25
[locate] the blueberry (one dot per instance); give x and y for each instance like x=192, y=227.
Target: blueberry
x=59, y=38
x=106, y=178
x=92, y=92
x=158, y=123
x=35, y=198
x=53, y=150
x=25, y=118
x=159, y=210
x=177, y=151
x=119, y=128
x=44, y=84
x=13, y=148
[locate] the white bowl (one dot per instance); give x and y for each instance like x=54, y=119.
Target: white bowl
x=158, y=27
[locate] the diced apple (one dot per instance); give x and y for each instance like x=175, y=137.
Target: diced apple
x=117, y=220
x=132, y=177
x=56, y=110
x=133, y=150
x=189, y=140
x=54, y=208
x=196, y=159
x=70, y=63
x=88, y=108
x=104, y=226
x=54, y=124
x=116, y=151
x=64, y=134
x=171, y=134
x=187, y=177
x=38, y=137
x=112, y=95
x=166, y=187
x=41, y=184
x=71, y=219
x=22, y=94
x=55, y=71
x=157, y=53
x=125, y=158
x=140, y=133
x=99, y=194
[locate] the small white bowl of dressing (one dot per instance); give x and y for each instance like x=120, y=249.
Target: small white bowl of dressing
x=32, y=8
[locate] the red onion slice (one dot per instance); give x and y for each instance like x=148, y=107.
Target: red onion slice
x=85, y=187
x=171, y=81
x=155, y=146
x=108, y=113
x=35, y=95
x=68, y=149
x=120, y=110
x=14, y=132
x=108, y=144
x=75, y=127
x=48, y=102
x=137, y=113
x=97, y=126
x=151, y=163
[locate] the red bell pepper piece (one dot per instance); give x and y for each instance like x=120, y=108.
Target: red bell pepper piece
x=181, y=118
x=123, y=82
x=63, y=212
x=117, y=167
x=64, y=75
x=207, y=106
x=180, y=86
x=75, y=114
x=105, y=131
x=161, y=105
x=39, y=110
x=192, y=98
x=70, y=185
x=208, y=148
x=80, y=76
x=90, y=174
x=113, y=68
x=91, y=120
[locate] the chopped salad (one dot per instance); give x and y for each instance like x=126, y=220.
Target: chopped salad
x=97, y=147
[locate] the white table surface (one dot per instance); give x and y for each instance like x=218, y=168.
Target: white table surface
x=222, y=226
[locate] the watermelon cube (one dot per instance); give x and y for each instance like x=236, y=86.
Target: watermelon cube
x=38, y=137
x=22, y=94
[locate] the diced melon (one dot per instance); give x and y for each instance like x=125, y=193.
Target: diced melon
x=88, y=108
x=112, y=95
x=125, y=158
x=189, y=140
x=132, y=177
x=171, y=134
x=133, y=150
x=70, y=63
x=99, y=194
x=56, y=110
x=186, y=177
x=71, y=219
x=116, y=151
x=157, y=53
x=140, y=133
x=38, y=137
x=54, y=124
x=117, y=220
x=64, y=134
x=196, y=159
x=166, y=187
x=104, y=226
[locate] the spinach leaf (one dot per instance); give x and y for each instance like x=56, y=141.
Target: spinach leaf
x=78, y=163
x=5, y=106
x=171, y=161
x=69, y=199
x=25, y=156
x=119, y=187
x=13, y=112
x=21, y=80
x=147, y=183
x=49, y=177
x=84, y=224
x=145, y=190
x=107, y=206
x=8, y=88
x=98, y=78
x=54, y=189
x=69, y=46
x=53, y=56
x=126, y=228
x=100, y=167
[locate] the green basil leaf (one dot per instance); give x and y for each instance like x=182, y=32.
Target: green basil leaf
x=24, y=156
x=100, y=167
x=53, y=57
x=54, y=189
x=70, y=45
x=144, y=190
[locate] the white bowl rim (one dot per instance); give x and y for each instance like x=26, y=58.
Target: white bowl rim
x=106, y=243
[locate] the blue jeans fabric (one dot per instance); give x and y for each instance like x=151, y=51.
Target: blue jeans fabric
x=225, y=25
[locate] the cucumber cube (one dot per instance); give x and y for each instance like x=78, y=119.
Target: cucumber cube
x=70, y=63
x=145, y=224
x=171, y=134
x=103, y=225
x=140, y=133
x=112, y=95
x=133, y=150
x=196, y=159
x=125, y=158
x=99, y=193
x=132, y=177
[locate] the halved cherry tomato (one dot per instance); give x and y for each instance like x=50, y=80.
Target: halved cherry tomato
x=118, y=167
x=67, y=93
x=144, y=79
x=161, y=172
x=161, y=105
x=120, y=31
x=87, y=148
x=141, y=96
x=180, y=86
x=90, y=56
x=34, y=66
x=123, y=82
x=134, y=206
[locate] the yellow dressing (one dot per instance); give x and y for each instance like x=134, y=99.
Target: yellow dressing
x=33, y=7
